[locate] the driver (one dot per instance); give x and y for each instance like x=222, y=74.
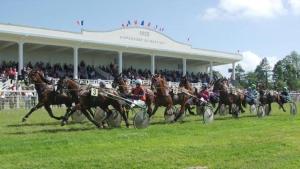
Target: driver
x=138, y=92
x=285, y=96
x=204, y=92
x=251, y=94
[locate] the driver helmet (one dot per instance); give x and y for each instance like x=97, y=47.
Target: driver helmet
x=285, y=89
x=204, y=86
x=138, y=82
x=102, y=83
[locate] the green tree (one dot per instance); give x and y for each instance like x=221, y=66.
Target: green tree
x=240, y=76
x=287, y=72
x=251, y=78
x=262, y=72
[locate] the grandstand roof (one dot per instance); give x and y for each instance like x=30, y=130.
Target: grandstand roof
x=140, y=40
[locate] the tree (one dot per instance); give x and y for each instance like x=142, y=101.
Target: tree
x=251, y=78
x=287, y=72
x=262, y=72
x=240, y=75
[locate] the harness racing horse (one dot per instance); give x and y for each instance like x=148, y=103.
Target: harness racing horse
x=123, y=90
x=102, y=100
x=182, y=98
x=225, y=97
x=267, y=97
x=46, y=94
x=162, y=95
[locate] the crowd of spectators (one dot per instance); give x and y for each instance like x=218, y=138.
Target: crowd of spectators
x=9, y=70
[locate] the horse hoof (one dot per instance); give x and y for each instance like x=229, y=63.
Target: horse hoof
x=63, y=123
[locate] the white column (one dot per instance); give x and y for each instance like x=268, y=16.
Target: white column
x=233, y=71
x=152, y=64
x=120, y=62
x=211, y=70
x=75, y=57
x=183, y=66
x=21, y=57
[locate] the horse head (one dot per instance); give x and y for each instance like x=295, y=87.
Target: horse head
x=159, y=85
x=117, y=81
x=221, y=85
x=120, y=83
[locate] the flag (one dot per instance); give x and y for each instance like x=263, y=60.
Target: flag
x=135, y=22
x=78, y=23
x=149, y=24
x=142, y=23
x=128, y=23
x=123, y=25
x=162, y=29
x=188, y=39
x=81, y=22
x=156, y=26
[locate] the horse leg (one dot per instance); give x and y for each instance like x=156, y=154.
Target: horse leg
x=154, y=111
x=88, y=116
x=218, y=108
x=182, y=109
x=49, y=110
x=189, y=109
x=39, y=105
x=281, y=106
x=91, y=112
x=67, y=115
x=123, y=114
x=230, y=108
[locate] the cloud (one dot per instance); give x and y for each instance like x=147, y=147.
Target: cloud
x=249, y=63
x=295, y=6
x=231, y=9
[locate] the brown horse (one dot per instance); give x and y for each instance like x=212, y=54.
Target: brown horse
x=162, y=94
x=123, y=89
x=46, y=94
x=267, y=97
x=227, y=98
x=183, y=98
x=87, y=101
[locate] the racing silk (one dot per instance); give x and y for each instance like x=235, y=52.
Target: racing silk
x=138, y=93
x=252, y=94
x=285, y=96
x=204, y=94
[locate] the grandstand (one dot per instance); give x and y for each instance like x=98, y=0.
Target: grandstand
x=134, y=47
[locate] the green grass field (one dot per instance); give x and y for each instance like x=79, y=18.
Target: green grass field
x=247, y=142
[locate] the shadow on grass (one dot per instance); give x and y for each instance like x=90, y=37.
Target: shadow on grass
x=42, y=124
x=59, y=130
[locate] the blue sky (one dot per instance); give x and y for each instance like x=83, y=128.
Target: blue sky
x=259, y=28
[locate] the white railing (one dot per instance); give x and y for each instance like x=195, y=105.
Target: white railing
x=17, y=99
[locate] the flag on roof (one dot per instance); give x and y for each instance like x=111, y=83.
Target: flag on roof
x=142, y=23
x=149, y=24
x=135, y=22
x=128, y=23
x=81, y=22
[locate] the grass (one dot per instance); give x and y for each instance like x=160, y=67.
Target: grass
x=247, y=142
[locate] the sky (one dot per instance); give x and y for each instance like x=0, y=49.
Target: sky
x=256, y=28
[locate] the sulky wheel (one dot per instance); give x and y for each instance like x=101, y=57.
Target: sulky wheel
x=293, y=108
x=261, y=111
x=115, y=119
x=77, y=116
x=100, y=115
x=141, y=119
x=208, y=115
